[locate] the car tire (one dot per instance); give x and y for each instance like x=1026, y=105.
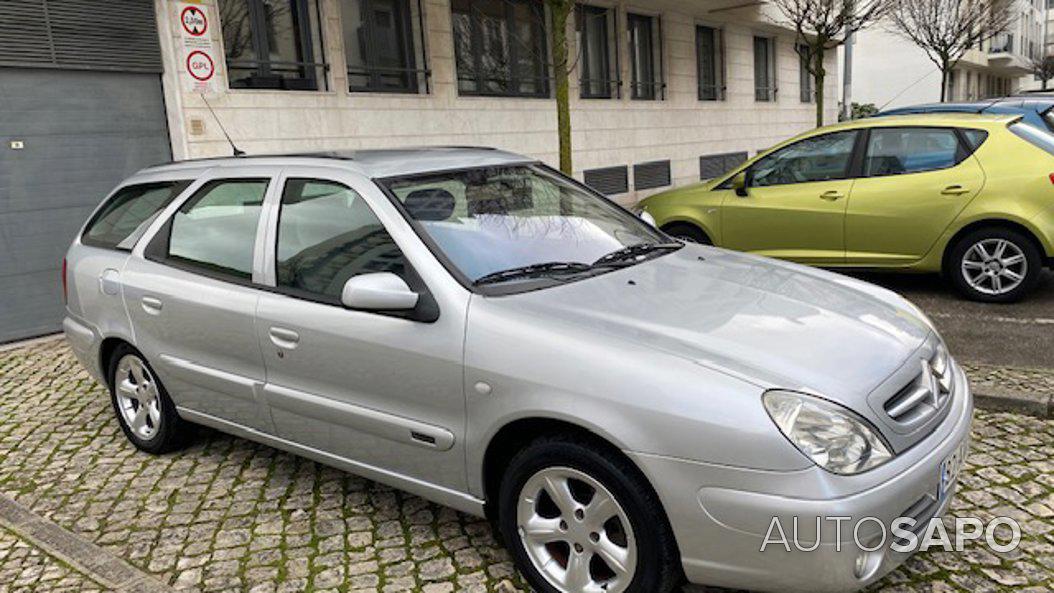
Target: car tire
x=585, y=542
x=994, y=265
x=143, y=408
x=687, y=232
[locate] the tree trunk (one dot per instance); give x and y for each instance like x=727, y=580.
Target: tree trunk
x=561, y=11
x=945, y=73
x=819, y=75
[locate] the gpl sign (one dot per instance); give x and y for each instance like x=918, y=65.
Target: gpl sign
x=199, y=50
x=200, y=66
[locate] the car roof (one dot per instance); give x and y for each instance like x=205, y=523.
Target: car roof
x=372, y=163
x=928, y=119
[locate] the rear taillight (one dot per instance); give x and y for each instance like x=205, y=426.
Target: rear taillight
x=65, y=284
x=1052, y=177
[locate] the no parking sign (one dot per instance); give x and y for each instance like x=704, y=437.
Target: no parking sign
x=199, y=50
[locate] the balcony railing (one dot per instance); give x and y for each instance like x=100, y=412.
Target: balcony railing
x=1001, y=44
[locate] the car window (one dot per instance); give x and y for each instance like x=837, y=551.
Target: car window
x=215, y=230
x=820, y=158
x=975, y=138
x=1034, y=136
x=326, y=235
x=124, y=217
x=500, y=218
x=897, y=151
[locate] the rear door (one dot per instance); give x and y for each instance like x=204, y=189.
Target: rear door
x=914, y=182
x=794, y=207
x=189, y=296
x=383, y=390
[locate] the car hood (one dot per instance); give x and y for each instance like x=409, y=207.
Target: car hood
x=772, y=323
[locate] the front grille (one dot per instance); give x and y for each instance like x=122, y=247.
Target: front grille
x=926, y=394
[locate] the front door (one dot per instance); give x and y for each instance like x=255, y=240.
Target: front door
x=190, y=302
x=381, y=390
x=915, y=182
x=795, y=202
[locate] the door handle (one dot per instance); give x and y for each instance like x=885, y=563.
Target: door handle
x=284, y=338
x=152, y=305
x=955, y=190
x=832, y=195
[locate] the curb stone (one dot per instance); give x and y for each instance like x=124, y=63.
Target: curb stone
x=994, y=398
x=84, y=556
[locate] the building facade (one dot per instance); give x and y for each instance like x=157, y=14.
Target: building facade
x=662, y=92
x=889, y=71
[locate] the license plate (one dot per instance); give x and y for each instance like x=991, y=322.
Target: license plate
x=950, y=468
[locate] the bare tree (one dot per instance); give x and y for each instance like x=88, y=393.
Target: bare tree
x=822, y=26
x=946, y=29
x=1042, y=67
x=560, y=12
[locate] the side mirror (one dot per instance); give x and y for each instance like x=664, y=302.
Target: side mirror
x=380, y=291
x=739, y=183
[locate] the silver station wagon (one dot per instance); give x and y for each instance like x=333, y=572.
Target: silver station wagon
x=470, y=326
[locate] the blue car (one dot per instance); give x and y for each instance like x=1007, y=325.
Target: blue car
x=1036, y=110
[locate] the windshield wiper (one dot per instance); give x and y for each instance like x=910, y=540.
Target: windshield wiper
x=634, y=253
x=533, y=271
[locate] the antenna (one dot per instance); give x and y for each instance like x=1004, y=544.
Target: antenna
x=237, y=152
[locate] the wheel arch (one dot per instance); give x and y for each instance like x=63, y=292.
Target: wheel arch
x=106, y=350
x=1005, y=223
x=516, y=434
x=673, y=223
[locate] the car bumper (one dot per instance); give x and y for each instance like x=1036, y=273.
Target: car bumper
x=84, y=341
x=722, y=515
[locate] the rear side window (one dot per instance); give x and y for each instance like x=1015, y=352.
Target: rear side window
x=326, y=235
x=898, y=151
x=215, y=230
x=1033, y=136
x=975, y=138
x=125, y=216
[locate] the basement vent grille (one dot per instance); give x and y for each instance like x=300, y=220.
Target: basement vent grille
x=651, y=175
x=608, y=180
x=716, y=165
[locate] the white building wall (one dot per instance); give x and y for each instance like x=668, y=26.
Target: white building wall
x=605, y=132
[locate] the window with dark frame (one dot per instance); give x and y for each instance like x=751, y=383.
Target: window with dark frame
x=273, y=44
x=500, y=47
x=594, y=25
x=709, y=52
x=764, y=69
x=807, y=93
x=383, y=46
x=645, y=56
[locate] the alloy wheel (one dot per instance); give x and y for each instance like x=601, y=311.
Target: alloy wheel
x=994, y=266
x=138, y=397
x=575, y=533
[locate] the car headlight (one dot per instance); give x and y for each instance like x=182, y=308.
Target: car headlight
x=832, y=436
x=648, y=218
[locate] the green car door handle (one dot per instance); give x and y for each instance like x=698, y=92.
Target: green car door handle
x=954, y=190
x=832, y=195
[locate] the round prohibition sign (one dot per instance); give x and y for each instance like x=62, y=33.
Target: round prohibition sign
x=200, y=65
x=193, y=20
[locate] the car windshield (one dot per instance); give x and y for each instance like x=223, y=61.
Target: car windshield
x=1034, y=136
x=523, y=223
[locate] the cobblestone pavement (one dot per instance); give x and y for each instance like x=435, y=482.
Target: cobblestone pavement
x=227, y=514
x=23, y=567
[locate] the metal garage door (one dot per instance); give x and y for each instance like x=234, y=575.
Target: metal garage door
x=80, y=133
x=80, y=108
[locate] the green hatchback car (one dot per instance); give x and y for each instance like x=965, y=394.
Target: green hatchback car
x=966, y=195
